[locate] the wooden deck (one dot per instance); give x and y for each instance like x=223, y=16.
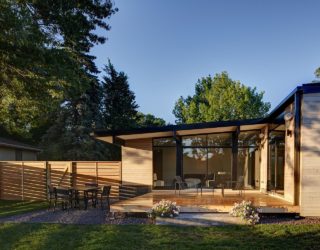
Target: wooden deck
x=190, y=201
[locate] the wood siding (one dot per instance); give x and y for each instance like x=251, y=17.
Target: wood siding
x=310, y=156
x=137, y=166
x=289, y=160
x=28, y=180
x=264, y=161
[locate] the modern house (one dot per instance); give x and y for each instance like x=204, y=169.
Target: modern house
x=278, y=155
x=11, y=150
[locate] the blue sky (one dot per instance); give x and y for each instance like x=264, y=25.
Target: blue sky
x=164, y=46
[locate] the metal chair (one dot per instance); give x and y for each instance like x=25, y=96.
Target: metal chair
x=179, y=183
x=65, y=196
x=105, y=194
x=51, y=195
x=94, y=195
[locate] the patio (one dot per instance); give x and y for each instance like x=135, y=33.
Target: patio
x=190, y=201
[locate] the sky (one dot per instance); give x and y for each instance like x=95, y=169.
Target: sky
x=165, y=46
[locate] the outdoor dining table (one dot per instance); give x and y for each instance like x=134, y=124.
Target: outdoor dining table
x=76, y=190
x=86, y=190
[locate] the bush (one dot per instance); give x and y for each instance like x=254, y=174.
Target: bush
x=164, y=208
x=246, y=211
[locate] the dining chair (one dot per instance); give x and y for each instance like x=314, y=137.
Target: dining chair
x=105, y=194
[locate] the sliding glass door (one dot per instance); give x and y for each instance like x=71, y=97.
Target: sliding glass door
x=276, y=162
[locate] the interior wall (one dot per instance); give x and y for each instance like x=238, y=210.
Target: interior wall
x=137, y=167
x=310, y=155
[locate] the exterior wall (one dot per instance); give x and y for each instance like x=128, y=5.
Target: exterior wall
x=289, y=160
x=310, y=155
x=264, y=161
x=7, y=154
x=137, y=166
x=29, y=156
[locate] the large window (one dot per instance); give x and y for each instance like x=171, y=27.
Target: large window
x=205, y=156
x=164, y=161
x=276, y=161
x=248, y=168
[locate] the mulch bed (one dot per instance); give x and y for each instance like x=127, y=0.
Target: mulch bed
x=128, y=219
x=278, y=219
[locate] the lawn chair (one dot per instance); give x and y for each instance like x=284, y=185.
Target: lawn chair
x=93, y=195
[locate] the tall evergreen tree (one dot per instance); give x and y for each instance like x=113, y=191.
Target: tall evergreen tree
x=119, y=105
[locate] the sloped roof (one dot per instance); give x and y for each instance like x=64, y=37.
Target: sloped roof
x=4, y=142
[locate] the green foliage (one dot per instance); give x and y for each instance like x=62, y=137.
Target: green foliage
x=220, y=98
x=44, y=57
x=317, y=73
x=149, y=120
x=119, y=106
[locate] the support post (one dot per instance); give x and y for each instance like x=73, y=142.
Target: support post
x=179, y=170
x=48, y=177
x=297, y=145
x=235, y=136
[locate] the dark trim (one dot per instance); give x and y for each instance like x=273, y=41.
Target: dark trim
x=297, y=146
x=304, y=88
x=179, y=156
x=234, y=163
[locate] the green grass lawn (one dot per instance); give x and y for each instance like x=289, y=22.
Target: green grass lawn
x=56, y=236
x=8, y=208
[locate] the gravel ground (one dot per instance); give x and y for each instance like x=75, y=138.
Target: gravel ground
x=74, y=216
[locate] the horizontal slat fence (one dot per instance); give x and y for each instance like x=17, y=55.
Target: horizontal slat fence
x=28, y=180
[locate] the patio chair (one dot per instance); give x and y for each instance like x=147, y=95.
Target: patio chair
x=51, y=195
x=156, y=182
x=239, y=184
x=105, y=194
x=179, y=183
x=93, y=195
x=65, y=196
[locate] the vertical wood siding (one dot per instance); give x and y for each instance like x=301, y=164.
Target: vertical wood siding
x=310, y=156
x=137, y=162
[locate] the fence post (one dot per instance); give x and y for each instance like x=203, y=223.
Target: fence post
x=73, y=174
x=97, y=173
x=22, y=180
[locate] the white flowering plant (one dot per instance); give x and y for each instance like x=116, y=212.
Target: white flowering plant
x=246, y=211
x=164, y=208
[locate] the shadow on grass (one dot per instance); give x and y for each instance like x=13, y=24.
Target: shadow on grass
x=56, y=236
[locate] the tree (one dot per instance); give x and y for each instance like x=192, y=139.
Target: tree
x=149, y=120
x=220, y=98
x=44, y=55
x=317, y=72
x=119, y=106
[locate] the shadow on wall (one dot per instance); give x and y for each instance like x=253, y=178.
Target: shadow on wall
x=29, y=180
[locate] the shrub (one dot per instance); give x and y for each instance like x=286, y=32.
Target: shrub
x=164, y=208
x=246, y=211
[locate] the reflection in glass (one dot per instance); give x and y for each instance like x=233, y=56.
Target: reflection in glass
x=249, y=139
x=194, y=141
x=220, y=140
x=168, y=141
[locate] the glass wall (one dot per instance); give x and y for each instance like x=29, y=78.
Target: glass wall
x=207, y=157
x=249, y=158
x=276, y=161
x=164, y=161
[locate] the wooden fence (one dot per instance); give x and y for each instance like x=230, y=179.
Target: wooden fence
x=28, y=180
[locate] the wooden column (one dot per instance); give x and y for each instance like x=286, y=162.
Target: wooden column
x=235, y=154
